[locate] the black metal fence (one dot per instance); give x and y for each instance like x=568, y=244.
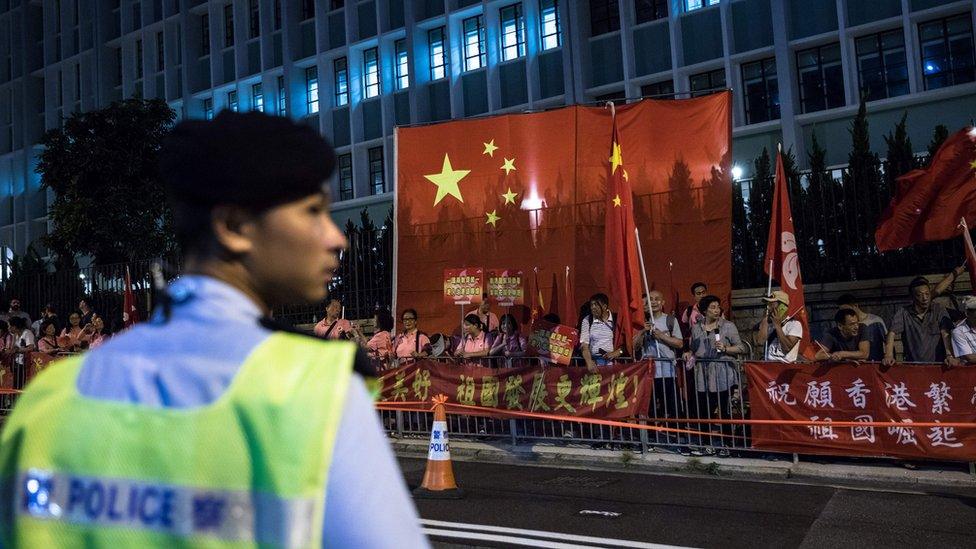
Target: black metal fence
x=835, y=217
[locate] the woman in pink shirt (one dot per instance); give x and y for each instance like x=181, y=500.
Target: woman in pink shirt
x=73, y=337
x=380, y=346
x=48, y=343
x=97, y=332
x=411, y=343
x=333, y=327
x=474, y=343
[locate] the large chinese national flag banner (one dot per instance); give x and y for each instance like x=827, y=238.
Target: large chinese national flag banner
x=901, y=395
x=529, y=190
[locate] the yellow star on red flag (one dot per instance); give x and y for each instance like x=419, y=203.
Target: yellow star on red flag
x=490, y=148
x=492, y=218
x=616, y=201
x=447, y=181
x=510, y=196
x=508, y=166
x=616, y=158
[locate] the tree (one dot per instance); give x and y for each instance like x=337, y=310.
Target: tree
x=760, y=210
x=939, y=135
x=863, y=187
x=102, y=168
x=901, y=156
x=826, y=201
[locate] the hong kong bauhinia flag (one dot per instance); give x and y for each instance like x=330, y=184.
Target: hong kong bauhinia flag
x=620, y=248
x=782, y=255
x=928, y=203
x=130, y=314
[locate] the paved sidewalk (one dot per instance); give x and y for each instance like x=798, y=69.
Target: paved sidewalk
x=583, y=457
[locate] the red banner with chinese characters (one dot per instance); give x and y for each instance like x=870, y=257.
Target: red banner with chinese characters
x=505, y=287
x=463, y=286
x=900, y=395
x=614, y=392
x=553, y=342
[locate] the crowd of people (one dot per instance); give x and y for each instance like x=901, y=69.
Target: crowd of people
x=48, y=334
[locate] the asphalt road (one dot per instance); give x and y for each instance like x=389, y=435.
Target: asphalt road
x=526, y=506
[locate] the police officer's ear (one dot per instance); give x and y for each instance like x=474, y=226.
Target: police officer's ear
x=234, y=228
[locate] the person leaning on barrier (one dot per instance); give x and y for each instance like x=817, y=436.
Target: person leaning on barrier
x=596, y=334
x=410, y=344
x=875, y=329
x=159, y=438
x=475, y=342
x=509, y=342
x=964, y=336
x=924, y=327
x=846, y=341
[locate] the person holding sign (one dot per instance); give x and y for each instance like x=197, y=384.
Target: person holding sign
x=474, y=342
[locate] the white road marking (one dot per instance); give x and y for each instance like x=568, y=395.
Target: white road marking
x=518, y=535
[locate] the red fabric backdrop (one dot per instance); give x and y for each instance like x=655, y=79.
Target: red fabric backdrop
x=678, y=158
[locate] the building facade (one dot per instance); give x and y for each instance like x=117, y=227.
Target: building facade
x=355, y=69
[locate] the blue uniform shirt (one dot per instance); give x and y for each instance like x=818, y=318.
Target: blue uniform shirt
x=190, y=361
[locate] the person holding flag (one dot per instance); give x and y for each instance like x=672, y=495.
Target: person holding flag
x=789, y=336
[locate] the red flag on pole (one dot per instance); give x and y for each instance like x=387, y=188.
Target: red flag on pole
x=620, y=247
x=782, y=256
x=554, y=296
x=130, y=314
x=537, y=303
x=928, y=203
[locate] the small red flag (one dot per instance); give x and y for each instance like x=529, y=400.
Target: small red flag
x=130, y=314
x=783, y=258
x=620, y=247
x=928, y=203
x=554, y=296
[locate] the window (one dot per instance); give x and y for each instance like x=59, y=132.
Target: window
x=232, y=100
x=402, y=65
x=159, y=51
x=661, y=90
x=228, y=25
x=371, y=73
x=650, y=10
x=337, y=4
x=947, y=51
x=312, y=90
x=438, y=56
x=345, y=177
x=308, y=9
x=761, y=90
x=550, y=24
x=881, y=65
x=205, y=34
x=78, y=85
x=377, y=183
x=341, y=82
x=254, y=18
x=513, y=32
x=604, y=17
x=277, y=14
x=707, y=82
x=282, y=106
x=138, y=59
x=474, y=43
x=691, y=5
x=257, y=98
x=208, y=108
x=821, y=78
x=118, y=66
x=179, y=44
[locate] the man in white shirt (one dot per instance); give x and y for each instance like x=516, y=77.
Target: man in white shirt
x=964, y=335
x=782, y=333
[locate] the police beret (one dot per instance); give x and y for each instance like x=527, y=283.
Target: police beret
x=250, y=159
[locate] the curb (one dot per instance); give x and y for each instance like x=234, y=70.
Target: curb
x=659, y=462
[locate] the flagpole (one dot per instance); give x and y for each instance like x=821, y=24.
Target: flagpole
x=647, y=290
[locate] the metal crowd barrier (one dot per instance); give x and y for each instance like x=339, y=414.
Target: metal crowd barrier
x=712, y=389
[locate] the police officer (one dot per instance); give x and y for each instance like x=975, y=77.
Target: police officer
x=207, y=426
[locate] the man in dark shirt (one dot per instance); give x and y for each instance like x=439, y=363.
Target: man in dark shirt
x=846, y=341
x=924, y=327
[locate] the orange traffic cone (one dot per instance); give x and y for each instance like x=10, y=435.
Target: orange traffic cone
x=439, y=477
